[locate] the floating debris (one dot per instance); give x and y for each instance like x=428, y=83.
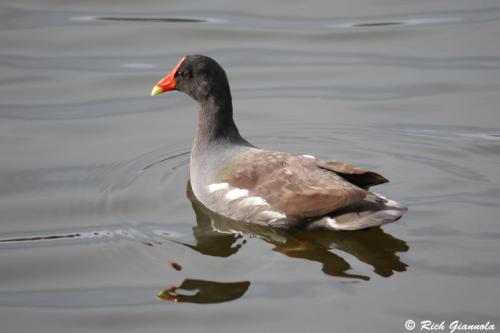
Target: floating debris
x=175, y=266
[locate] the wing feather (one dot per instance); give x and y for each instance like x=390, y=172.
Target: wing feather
x=353, y=174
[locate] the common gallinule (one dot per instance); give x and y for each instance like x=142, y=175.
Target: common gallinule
x=233, y=178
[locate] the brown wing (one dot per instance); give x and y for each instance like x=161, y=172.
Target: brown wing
x=355, y=175
x=294, y=185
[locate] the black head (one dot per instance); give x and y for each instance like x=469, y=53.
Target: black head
x=198, y=76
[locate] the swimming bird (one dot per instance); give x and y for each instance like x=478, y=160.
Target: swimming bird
x=240, y=181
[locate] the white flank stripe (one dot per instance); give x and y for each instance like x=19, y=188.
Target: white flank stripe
x=236, y=194
x=309, y=156
x=273, y=214
x=217, y=187
x=254, y=201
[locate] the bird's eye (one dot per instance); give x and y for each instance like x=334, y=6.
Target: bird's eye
x=186, y=74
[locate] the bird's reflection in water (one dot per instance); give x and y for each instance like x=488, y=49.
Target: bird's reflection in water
x=222, y=237
x=204, y=292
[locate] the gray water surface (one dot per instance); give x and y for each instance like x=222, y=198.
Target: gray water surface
x=99, y=231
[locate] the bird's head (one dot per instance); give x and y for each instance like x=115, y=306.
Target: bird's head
x=197, y=76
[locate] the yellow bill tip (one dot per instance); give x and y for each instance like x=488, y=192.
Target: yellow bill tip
x=156, y=91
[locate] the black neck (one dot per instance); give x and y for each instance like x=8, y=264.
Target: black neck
x=215, y=123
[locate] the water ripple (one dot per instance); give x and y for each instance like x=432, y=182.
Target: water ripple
x=190, y=291
x=16, y=18
x=242, y=58
x=149, y=234
x=237, y=20
x=152, y=19
x=363, y=93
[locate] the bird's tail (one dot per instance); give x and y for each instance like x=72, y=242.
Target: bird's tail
x=375, y=210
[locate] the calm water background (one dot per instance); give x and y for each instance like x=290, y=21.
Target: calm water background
x=93, y=172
